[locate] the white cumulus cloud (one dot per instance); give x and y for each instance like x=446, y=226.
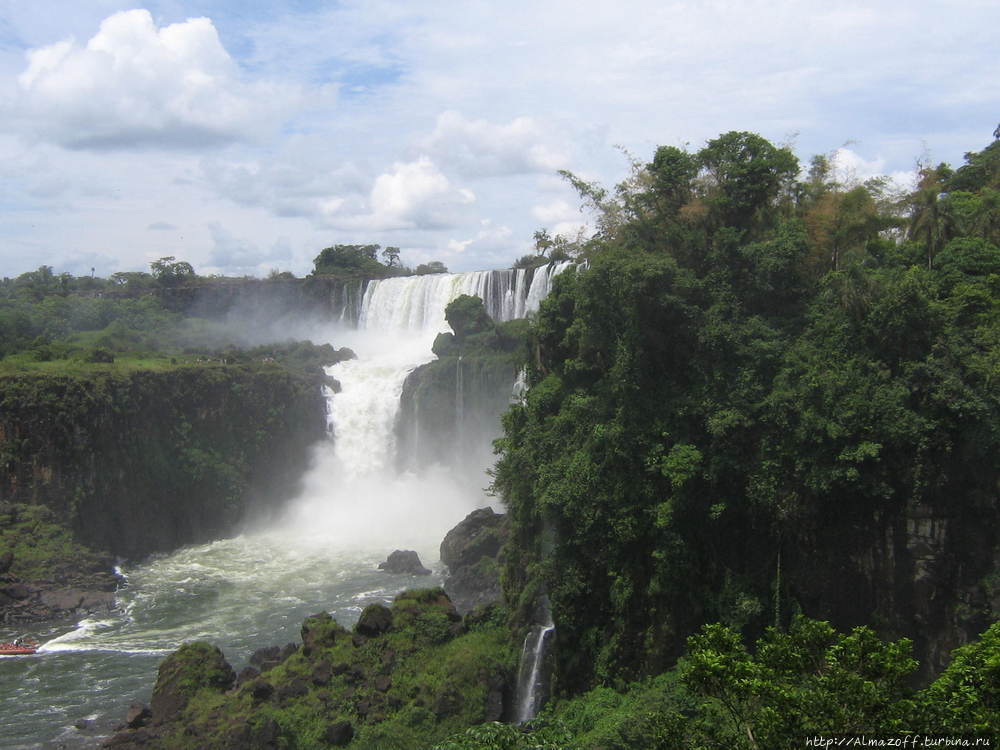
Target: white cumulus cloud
x=412, y=195
x=136, y=85
x=479, y=148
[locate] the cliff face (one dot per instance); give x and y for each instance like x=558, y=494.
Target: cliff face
x=149, y=461
x=927, y=571
x=450, y=411
x=322, y=296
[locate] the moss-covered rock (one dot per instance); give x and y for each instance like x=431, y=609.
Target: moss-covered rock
x=193, y=667
x=375, y=620
x=417, y=680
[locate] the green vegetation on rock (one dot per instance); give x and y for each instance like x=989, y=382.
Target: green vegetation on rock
x=418, y=676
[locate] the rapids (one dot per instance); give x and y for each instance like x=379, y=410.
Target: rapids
x=255, y=589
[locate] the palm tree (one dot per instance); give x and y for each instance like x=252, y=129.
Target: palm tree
x=930, y=221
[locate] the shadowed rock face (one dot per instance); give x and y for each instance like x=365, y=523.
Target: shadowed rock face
x=470, y=550
x=204, y=446
x=404, y=561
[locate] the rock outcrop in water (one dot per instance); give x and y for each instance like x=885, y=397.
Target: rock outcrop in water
x=404, y=562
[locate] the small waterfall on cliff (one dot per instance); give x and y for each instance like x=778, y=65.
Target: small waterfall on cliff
x=520, y=389
x=534, y=671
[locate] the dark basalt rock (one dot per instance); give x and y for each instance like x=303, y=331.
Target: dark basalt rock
x=247, y=674
x=192, y=667
x=470, y=550
x=339, y=734
x=479, y=534
x=404, y=561
x=270, y=657
x=294, y=689
x=138, y=714
x=375, y=620
x=17, y=591
x=320, y=631
x=261, y=690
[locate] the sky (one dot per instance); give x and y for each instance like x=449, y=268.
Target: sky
x=245, y=137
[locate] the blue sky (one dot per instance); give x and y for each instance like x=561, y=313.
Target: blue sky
x=245, y=137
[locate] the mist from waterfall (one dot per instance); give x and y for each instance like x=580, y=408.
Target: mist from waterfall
x=353, y=497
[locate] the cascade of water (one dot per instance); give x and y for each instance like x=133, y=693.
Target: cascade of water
x=520, y=389
x=459, y=407
x=533, y=672
x=541, y=284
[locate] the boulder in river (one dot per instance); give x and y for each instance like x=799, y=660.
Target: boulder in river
x=471, y=552
x=404, y=561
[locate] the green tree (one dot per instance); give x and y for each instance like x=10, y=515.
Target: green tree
x=168, y=271
x=743, y=175
x=434, y=266
x=931, y=223
x=350, y=260
x=390, y=256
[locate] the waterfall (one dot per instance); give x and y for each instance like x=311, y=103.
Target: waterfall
x=520, y=389
x=353, y=495
x=417, y=302
x=534, y=670
x=459, y=407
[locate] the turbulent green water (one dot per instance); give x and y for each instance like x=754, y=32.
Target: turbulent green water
x=240, y=594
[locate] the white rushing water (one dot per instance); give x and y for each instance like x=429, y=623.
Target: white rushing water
x=534, y=671
x=254, y=590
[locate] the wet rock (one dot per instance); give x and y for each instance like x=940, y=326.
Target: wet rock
x=404, y=562
x=322, y=673
x=270, y=657
x=294, y=689
x=320, y=631
x=355, y=676
x=339, y=733
x=138, y=714
x=247, y=674
x=497, y=695
x=261, y=690
x=265, y=736
x=17, y=591
x=192, y=667
x=375, y=620
x=341, y=668
x=479, y=534
x=470, y=551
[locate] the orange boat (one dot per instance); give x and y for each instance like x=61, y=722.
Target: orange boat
x=20, y=647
